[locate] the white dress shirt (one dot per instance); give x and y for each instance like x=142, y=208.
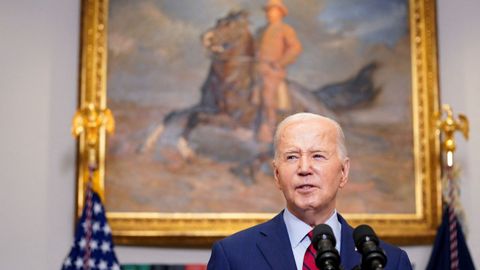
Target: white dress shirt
x=298, y=230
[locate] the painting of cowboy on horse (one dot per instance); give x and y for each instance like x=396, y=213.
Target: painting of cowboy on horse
x=197, y=91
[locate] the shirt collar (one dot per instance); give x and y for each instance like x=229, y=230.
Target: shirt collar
x=297, y=229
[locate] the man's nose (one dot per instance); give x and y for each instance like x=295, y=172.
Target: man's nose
x=304, y=166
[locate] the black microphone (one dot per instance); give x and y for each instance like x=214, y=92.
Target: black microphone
x=324, y=242
x=366, y=241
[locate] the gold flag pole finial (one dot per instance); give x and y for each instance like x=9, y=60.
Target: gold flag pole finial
x=448, y=126
x=89, y=121
x=450, y=182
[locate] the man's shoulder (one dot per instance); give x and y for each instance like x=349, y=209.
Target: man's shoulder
x=392, y=250
x=263, y=246
x=247, y=235
x=397, y=258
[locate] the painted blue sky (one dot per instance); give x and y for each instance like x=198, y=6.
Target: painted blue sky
x=372, y=21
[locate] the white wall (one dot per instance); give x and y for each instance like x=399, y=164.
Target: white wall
x=38, y=96
x=459, y=40
x=38, y=66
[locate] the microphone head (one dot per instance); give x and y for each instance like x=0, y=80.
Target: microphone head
x=364, y=233
x=323, y=231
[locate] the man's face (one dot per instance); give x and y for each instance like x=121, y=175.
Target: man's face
x=308, y=169
x=274, y=14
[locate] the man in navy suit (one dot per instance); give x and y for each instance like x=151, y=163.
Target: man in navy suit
x=310, y=166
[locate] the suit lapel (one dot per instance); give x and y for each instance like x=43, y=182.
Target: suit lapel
x=350, y=257
x=274, y=244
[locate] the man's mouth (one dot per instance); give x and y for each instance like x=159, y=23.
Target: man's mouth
x=305, y=187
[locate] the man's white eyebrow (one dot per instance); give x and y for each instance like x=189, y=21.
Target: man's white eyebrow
x=290, y=151
x=317, y=151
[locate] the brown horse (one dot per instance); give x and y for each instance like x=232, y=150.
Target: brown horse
x=228, y=85
x=225, y=94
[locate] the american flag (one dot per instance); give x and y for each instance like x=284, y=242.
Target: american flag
x=93, y=247
x=450, y=250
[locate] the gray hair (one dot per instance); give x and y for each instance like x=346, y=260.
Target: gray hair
x=302, y=116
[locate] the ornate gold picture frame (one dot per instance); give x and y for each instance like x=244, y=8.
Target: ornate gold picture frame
x=201, y=229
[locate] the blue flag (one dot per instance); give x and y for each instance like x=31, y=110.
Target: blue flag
x=442, y=249
x=93, y=247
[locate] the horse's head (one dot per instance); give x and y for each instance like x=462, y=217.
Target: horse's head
x=229, y=36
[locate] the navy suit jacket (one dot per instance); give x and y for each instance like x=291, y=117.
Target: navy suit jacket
x=267, y=246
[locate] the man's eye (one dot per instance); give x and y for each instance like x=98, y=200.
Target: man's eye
x=318, y=156
x=291, y=157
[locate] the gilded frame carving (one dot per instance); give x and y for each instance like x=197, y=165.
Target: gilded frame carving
x=189, y=229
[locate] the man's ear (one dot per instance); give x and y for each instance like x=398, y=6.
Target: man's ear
x=275, y=174
x=345, y=171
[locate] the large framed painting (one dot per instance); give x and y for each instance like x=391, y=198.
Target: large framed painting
x=190, y=160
